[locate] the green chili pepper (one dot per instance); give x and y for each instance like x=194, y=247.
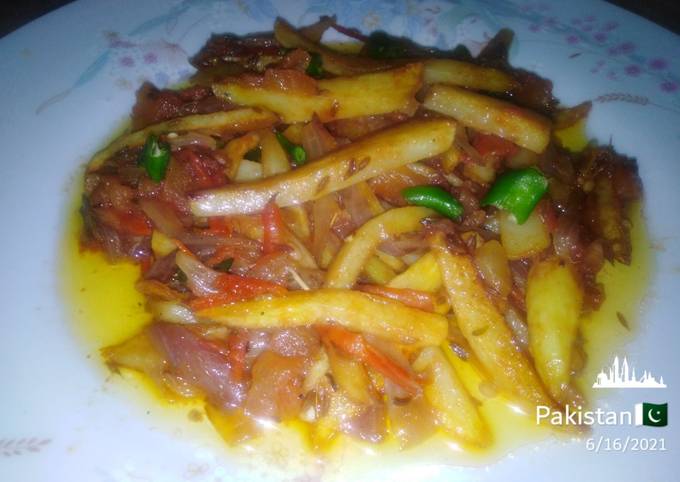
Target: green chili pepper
x=434, y=197
x=518, y=192
x=315, y=67
x=225, y=265
x=155, y=157
x=296, y=153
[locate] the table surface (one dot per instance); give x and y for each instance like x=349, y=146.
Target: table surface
x=15, y=14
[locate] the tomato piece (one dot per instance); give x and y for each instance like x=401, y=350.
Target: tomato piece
x=272, y=224
x=490, y=145
x=219, y=225
x=233, y=288
x=237, y=344
x=355, y=345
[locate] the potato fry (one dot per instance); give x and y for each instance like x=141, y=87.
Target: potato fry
x=470, y=76
x=454, y=408
x=274, y=160
x=422, y=275
x=396, y=264
x=348, y=263
x=339, y=98
x=235, y=150
x=610, y=220
x=334, y=62
x=297, y=220
x=378, y=271
x=369, y=196
x=350, y=375
x=554, y=300
x=361, y=160
x=451, y=159
x=523, y=240
x=352, y=309
x=484, y=328
x=237, y=120
x=492, y=116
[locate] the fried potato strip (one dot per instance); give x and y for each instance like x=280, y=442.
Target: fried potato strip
x=470, y=76
x=234, y=121
x=485, y=329
x=554, y=301
x=492, y=116
x=348, y=263
x=354, y=310
x=339, y=98
x=356, y=162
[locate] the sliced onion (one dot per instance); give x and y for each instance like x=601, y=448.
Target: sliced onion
x=200, y=279
x=192, y=139
x=316, y=139
x=356, y=205
x=492, y=263
x=463, y=142
x=173, y=312
x=163, y=217
x=518, y=327
x=411, y=421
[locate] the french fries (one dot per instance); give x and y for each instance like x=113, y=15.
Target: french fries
x=492, y=116
x=234, y=152
x=454, y=408
x=470, y=76
x=484, y=328
x=554, y=300
x=352, y=309
x=348, y=263
x=234, y=121
x=422, y=275
x=338, y=98
x=523, y=240
x=350, y=375
x=361, y=160
x=378, y=271
x=334, y=62
x=274, y=160
x=610, y=220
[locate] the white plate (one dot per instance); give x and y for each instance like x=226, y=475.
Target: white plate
x=68, y=78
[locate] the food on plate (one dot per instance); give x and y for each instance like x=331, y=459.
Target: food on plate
x=335, y=238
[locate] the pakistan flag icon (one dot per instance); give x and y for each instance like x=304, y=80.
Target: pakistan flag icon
x=651, y=414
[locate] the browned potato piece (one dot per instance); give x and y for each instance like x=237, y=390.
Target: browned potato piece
x=348, y=263
x=454, y=408
x=352, y=309
x=470, y=76
x=554, y=300
x=344, y=167
x=339, y=98
x=235, y=121
x=492, y=116
x=485, y=329
x=523, y=240
x=334, y=62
